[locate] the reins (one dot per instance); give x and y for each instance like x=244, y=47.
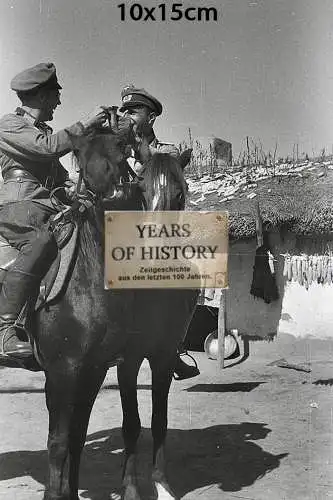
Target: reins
x=81, y=200
x=84, y=198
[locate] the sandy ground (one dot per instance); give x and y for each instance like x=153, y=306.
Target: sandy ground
x=253, y=431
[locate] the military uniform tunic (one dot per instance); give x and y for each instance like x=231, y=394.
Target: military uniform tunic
x=32, y=148
x=29, y=160
x=155, y=146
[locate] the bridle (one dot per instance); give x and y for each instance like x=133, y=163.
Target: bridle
x=84, y=197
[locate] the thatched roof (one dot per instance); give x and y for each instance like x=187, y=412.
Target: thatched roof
x=301, y=204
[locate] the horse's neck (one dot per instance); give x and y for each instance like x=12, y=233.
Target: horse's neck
x=90, y=255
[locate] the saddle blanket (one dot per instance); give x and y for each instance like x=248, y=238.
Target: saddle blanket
x=55, y=279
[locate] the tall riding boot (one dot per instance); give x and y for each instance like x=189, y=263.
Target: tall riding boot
x=18, y=289
x=11, y=345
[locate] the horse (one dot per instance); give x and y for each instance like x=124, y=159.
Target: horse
x=87, y=326
x=161, y=317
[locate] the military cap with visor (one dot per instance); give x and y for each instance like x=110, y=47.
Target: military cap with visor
x=132, y=96
x=43, y=75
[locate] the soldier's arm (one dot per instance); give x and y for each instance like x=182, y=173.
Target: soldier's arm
x=22, y=141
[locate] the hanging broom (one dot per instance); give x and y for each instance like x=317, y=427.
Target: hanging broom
x=263, y=280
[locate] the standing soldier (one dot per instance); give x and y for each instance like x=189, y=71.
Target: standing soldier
x=143, y=110
x=29, y=160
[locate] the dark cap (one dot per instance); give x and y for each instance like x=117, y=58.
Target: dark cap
x=131, y=96
x=41, y=75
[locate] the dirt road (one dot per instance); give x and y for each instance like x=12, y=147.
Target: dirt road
x=250, y=432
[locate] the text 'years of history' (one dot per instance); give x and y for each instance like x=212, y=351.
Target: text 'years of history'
x=166, y=249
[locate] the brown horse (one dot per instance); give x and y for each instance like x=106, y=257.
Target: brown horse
x=79, y=334
x=161, y=319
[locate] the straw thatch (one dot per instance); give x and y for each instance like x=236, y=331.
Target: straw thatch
x=301, y=204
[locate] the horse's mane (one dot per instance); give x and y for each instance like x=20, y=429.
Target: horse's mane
x=90, y=248
x=162, y=172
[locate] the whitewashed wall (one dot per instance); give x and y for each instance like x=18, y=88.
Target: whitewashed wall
x=298, y=312
x=307, y=312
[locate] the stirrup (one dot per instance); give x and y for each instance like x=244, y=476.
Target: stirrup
x=2, y=344
x=24, y=354
x=195, y=369
x=186, y=353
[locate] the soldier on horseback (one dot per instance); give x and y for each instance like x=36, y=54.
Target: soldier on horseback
x=29, y=161
x=143, y=109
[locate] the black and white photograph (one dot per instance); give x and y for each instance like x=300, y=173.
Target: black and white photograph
x=166, y=249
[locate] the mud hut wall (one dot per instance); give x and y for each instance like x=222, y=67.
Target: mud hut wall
x=306, y=312
x=298, y=312
x=251, y=316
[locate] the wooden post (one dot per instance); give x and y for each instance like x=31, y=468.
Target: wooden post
x=221, y=327
x=260, y=238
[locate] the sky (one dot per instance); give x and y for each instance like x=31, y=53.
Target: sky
x=264, y=69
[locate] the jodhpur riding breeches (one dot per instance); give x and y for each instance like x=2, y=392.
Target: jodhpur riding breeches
x=24, y=224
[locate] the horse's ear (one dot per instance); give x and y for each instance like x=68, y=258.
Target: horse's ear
x=185, y=157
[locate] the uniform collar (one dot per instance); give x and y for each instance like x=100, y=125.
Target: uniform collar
x=42, y=126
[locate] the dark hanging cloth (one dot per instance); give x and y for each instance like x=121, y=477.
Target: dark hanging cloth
x=263, y=281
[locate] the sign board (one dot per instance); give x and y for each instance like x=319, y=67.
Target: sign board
x=166, y=249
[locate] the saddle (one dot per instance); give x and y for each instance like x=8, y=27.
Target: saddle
x=66, y=234
x=51, y=286
x=66, y=229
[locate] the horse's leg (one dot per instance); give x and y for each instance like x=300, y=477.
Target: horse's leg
x=60, y=389
x=162, y=370
x=127, y=378
x=90, y=382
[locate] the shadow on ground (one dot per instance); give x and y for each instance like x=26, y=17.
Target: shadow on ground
x=234, y=387
x=223, y=454
x=109, y=387
x=328, y=381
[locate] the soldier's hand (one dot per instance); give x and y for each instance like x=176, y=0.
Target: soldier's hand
x=70, y=189
x=70, y=192
x=140, y=130
x=143, y=149
x=96, y=119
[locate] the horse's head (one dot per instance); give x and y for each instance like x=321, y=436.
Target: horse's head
x=102, y=156
x=164, y=182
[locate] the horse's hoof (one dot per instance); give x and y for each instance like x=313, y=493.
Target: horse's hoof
x=162, y=491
